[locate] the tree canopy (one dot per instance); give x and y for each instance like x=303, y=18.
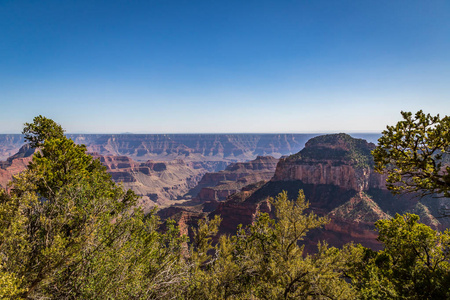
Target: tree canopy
x=414, y=264
x=266, y=260
x=40, y=130
x=414, y=153
x=67, y=231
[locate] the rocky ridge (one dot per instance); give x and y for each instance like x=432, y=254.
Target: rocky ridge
x=335, y=159
x=336, y=174
x=219, y=185
x=10, y=145
x=230, y=147
x=157, y=182
x=166, y=147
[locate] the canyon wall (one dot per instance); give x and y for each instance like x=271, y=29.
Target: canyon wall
x=195, y=147
x=157, y=182
x=336, y=175
x=10, y=145
x=160, y=183
x=219, y=185
x=142, y=147
x=334, y=171
x=333, y=159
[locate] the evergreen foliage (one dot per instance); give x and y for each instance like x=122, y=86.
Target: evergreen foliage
x=67, y=231
x=414, y=264
x=265, y=260
x=411, y=152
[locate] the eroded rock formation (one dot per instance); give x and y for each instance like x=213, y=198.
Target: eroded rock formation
x=156, y=182
x=14, y=165
x=9, y=145
x=336, y=174
x=166, y=147
x=231, y=147
x=332, y=159
x=219, y=185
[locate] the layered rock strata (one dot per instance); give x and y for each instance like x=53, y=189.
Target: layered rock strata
x=219, y=185
x=10, y=144
x=166, y=147
x=336, y=174
x=158, y=183
x=14, y=165
x=230, y=147
x=335, y=160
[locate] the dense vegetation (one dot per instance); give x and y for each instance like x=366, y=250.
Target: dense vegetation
x=67, y=231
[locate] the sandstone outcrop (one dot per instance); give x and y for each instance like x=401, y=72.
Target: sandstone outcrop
x=157, y=182
x=14, y=165
x=194, y=147
x=219, y=185
x=333, y=159
x=9, y=145
x=336, y=174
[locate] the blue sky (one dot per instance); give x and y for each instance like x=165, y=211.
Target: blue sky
x=222, y=66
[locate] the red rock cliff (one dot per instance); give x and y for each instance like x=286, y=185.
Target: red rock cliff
x=333, y=160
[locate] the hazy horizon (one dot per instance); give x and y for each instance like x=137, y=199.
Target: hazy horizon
x=222, y=67
x=205, y=133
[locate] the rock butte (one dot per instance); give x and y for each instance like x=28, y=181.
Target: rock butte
x=336, y=174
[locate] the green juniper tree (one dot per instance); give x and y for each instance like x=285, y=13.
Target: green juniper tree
x=67, y=231
x=266, y=261
x=414, y=262
x=414, y=153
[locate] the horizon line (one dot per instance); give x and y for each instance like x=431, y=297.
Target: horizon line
x=212, y=133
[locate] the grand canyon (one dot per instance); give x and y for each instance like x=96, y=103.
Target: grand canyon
x=224, y=150
x=190, y=177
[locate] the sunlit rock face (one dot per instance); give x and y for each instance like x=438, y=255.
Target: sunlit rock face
x=10, y=145
x=156, y=182
x=14, y=165
x=337, y=177
x=220, y=185
x=332, y=159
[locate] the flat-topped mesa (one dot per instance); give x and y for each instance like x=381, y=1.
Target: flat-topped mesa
x=336, y=159
x=192, y=147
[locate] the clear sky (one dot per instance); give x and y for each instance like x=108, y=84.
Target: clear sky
x=222, y=66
